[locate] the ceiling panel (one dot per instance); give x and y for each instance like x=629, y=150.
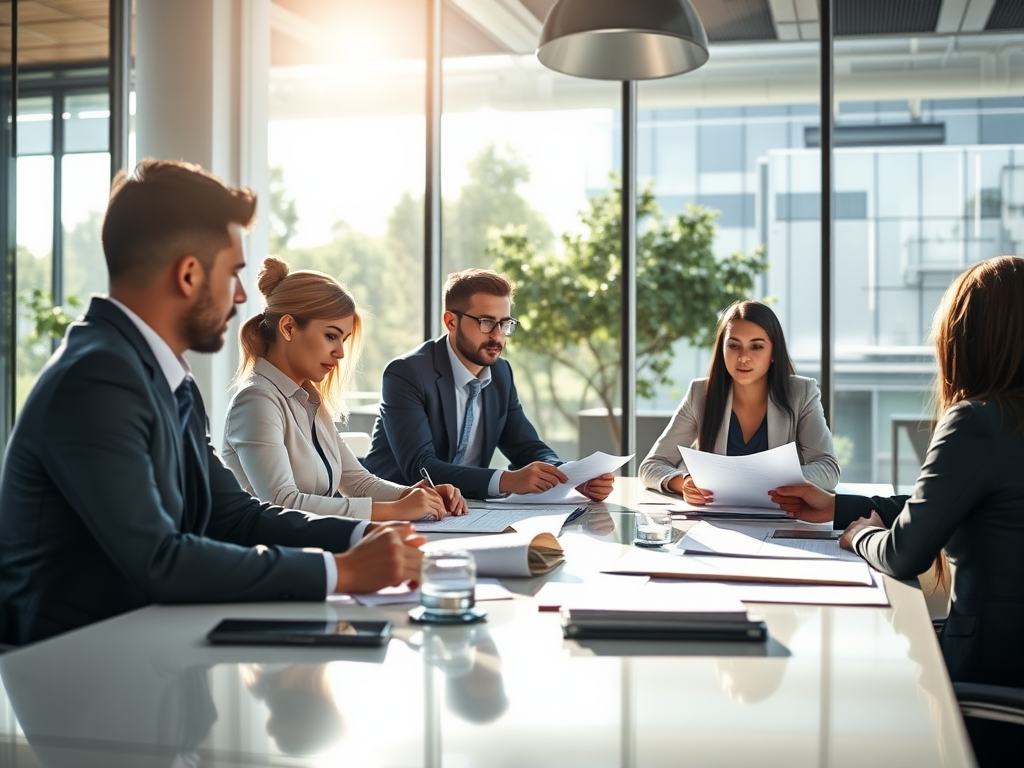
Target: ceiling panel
x=886, y=17
x=729, y=21
x=1006, y=14
x=56, y=31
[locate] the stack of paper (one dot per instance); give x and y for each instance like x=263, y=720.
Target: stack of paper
x=767, y=570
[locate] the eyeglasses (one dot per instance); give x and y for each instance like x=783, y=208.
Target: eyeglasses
x=507, y=326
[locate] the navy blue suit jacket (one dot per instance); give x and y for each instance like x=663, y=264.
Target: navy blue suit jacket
x=417, y=422
x=104, y=509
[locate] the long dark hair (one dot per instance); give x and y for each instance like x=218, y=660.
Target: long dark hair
x=720, y=382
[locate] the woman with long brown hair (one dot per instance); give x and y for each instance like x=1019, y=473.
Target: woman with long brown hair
x=751, y=401
x=279, y=439
x=969, y=497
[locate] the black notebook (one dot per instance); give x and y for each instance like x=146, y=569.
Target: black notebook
x=590, y=623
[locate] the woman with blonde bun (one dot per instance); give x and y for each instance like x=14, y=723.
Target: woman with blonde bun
x=280, y=439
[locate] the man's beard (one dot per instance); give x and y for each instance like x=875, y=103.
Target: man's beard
x=203, y=327
x=472, y=353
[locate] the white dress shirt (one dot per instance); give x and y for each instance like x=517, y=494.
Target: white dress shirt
x=474, y=447
x=175, y=369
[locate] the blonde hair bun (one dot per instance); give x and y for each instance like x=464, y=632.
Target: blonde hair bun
x=273, y=271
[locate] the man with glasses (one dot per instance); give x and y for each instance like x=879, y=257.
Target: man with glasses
x=449, y=403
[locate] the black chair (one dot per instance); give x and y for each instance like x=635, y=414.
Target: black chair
x=994, y=716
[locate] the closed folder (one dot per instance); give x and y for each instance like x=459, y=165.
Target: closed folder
x=587, y=623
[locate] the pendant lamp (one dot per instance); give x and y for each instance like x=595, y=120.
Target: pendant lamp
x=623, y=39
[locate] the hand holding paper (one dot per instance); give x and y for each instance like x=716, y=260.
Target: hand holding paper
x=576, y=472
x=744, y=481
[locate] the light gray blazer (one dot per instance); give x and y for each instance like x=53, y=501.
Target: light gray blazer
x=813, y=440
x=268, y=445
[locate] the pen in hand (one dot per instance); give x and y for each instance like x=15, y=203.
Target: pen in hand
x=426, y=476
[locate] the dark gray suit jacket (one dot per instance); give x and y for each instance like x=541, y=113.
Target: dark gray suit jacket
x=417, y=422
x=94, y=499
x=969, y=500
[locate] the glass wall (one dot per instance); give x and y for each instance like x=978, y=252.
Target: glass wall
x=929, y=139
x=730, y=185
x=347, y=168
x=64, y=169
x=527, y=162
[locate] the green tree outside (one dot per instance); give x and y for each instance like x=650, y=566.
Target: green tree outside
x=569, y=303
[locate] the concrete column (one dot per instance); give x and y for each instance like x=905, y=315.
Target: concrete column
x=202, y=95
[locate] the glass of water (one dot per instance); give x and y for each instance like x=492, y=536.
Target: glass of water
x=653, y=528
x=447, y=584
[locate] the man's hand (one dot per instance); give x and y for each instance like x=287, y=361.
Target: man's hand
x=451, y=496
x=533, y=478
x=805, y=502
x=387, y=556
x=874, y=521
x=597, y=488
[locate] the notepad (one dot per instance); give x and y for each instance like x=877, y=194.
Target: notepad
x=726, y=619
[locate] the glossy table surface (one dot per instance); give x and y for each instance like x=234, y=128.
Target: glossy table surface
x=834, y=686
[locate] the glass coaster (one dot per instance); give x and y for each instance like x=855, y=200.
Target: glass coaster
x=420, y=616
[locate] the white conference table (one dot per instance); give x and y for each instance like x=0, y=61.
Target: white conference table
x=834, y=686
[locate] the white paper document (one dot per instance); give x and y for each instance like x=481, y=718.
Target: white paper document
x=715, y=539
x=795, y=594
x=596, y=464
x=496, y=519
x=676, y=565
x=744, y=481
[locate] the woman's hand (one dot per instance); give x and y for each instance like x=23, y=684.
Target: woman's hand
x=685, y=487
x=874, y=521
x=805, y=502
x=415, y=503
x=454, y=504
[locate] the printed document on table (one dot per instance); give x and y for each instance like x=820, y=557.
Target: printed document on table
x=738, y=541
x=744, y=481
x=494, y=519
x=598, y=463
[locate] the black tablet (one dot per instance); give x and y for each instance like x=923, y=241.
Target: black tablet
x=295, y=632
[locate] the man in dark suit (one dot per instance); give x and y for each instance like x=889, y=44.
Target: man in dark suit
x=112, y=496
x=447, y=405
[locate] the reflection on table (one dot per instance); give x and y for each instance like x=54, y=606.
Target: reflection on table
x=834, y=686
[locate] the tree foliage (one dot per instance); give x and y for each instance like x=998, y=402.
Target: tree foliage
x=569, y=303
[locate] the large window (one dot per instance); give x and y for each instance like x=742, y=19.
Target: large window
x=347, y=168
x=929, y=139
x=526, y=176
x=63, y=179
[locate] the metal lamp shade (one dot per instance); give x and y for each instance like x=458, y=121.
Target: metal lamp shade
x=623, y=39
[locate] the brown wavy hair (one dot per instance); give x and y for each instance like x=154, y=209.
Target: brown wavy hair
x=305, y=295
x=720, y=382
x=978, y=332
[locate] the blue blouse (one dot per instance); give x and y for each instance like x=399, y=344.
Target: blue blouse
x=758, y=441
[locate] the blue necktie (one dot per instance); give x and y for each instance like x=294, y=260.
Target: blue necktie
x=467, y=422
x=183, y=397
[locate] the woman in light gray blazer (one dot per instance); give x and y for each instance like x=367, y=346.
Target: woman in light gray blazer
x=279, y=439
x=751, y=401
